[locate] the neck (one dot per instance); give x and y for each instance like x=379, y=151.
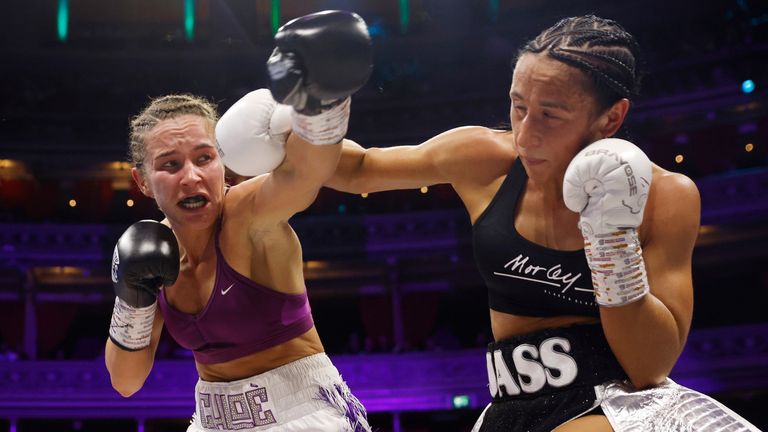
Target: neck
x=194, y=242
x=550, y=189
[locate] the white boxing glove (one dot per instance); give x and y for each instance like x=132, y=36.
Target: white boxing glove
x=607, y=183
x=251, y=135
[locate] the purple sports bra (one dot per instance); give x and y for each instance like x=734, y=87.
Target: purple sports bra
x=241, y=317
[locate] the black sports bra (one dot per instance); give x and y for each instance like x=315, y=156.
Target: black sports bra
x=524, y=278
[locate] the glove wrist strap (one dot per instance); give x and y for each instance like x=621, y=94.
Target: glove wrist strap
x=327, y=127
x=617, y=265
x=131, y=327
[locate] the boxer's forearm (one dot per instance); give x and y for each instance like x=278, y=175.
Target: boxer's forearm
x=127, y=369
x=645, y=338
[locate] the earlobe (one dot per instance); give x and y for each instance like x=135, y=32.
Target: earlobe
x=613, y=118
x=140, y=182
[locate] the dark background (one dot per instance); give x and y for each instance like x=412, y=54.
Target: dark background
x=65, y=104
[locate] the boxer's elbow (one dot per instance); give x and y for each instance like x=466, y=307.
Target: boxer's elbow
x=127, y=370
x=644, y=381
x=126, y=387
x=647, y=375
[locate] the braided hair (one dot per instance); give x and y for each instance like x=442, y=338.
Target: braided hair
x=163, y=108
x=599, y=47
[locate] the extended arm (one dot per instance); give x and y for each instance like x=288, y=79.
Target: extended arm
x=317, y=83
x=460, y=157
x=293, y=186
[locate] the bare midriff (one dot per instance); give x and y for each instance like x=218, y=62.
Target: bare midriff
x=505, y=325
x=262, y=361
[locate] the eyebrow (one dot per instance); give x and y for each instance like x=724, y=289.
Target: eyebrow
x=174, y=151
x=545, y=103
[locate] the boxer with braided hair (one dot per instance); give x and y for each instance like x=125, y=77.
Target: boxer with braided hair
x=600, y=48
x=584, y=244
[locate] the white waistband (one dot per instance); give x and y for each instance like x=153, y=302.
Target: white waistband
x=262, y=401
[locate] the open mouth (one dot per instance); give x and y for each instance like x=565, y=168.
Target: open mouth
x=193, y=202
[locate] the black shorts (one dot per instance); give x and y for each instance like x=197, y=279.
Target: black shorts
x=541, y=380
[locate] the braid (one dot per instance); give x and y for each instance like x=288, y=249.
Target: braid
x=575, y=59
x=599, y=47
x=163, y=108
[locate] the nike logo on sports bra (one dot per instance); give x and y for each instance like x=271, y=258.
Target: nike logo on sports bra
x=225, y=291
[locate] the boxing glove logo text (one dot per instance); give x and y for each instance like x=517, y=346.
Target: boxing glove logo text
x=639, y=203
x=632, y=182
x=115, y=264
x=280, y=66
x=531, y=368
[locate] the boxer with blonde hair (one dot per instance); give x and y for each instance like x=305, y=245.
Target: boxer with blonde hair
x=223, y=271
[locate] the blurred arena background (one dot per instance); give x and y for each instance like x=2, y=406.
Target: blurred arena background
x=394, y=291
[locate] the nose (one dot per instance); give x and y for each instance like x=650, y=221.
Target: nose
x=190, y=174
x=526, y=133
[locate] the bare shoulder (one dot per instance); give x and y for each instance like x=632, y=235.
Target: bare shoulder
x=476, y=141
x=245, y=191
x=674, y=205
x=241, y=204
x=674, y=189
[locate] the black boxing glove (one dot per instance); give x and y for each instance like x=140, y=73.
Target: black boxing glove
x=146, y=258
x=319, y=61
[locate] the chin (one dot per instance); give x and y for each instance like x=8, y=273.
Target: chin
x=201, y=218
x=540, y=166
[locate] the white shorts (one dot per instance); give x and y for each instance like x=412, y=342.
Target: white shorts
x=667, y=407
x=664, y=408
x=305, y=395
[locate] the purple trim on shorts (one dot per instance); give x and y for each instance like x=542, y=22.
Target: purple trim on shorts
x=342, y=399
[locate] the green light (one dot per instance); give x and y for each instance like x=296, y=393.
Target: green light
x=189, y=19
x=493, y=9
x=275, y=15
x=460, y=401
x=405, y=15
x=62, y=20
